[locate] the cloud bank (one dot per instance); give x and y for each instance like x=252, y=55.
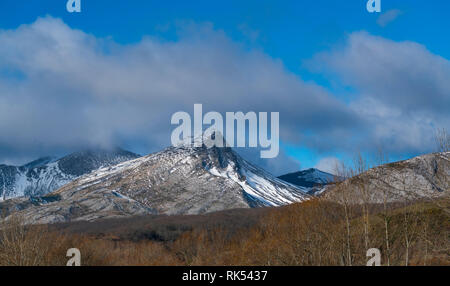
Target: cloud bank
x=403, y=90
x=61, y=88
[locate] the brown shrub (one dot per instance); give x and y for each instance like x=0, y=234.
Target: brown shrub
x=311, y=233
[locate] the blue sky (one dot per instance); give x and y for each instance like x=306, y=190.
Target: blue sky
x=292, y=34
x=289, y=30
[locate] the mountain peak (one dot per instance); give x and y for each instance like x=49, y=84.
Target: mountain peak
x=206, y=139
x=308, y=178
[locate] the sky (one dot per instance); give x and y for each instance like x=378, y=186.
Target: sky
x=343, y=80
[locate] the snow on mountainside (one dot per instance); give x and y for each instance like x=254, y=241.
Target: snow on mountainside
x=183, y=180
x=308, y=178
x=47, y=174
x=313, y=179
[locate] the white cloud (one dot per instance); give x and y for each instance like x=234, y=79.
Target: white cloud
x=328, y=164
x=403, y=90
x=63, y=88
x=388, y=17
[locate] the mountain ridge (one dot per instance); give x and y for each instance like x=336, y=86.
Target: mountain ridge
x=308, y=178
x=46, y=174
x=198, y=180
x=177, y=180
x=423, y=177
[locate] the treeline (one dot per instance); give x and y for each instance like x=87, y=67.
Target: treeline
x=312, y=233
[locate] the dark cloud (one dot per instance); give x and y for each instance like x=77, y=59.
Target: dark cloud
x=70, y=88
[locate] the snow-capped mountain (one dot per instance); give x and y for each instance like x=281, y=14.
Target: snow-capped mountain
x=308, y=178
x=182, y=180
x=313, y=179
x=47, y=174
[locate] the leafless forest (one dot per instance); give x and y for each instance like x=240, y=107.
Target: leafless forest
x=313, y=233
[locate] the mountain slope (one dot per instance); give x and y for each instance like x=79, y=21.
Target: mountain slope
x=180, y=180
x=47, y=174
x=426, y=176
x=308, y=178
x=313, y=179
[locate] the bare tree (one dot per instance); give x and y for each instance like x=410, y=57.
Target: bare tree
x=442, y=139
x=343, y=196
x=360, y=166
x=410, y=214
x=21, y=245
x=381, y=159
